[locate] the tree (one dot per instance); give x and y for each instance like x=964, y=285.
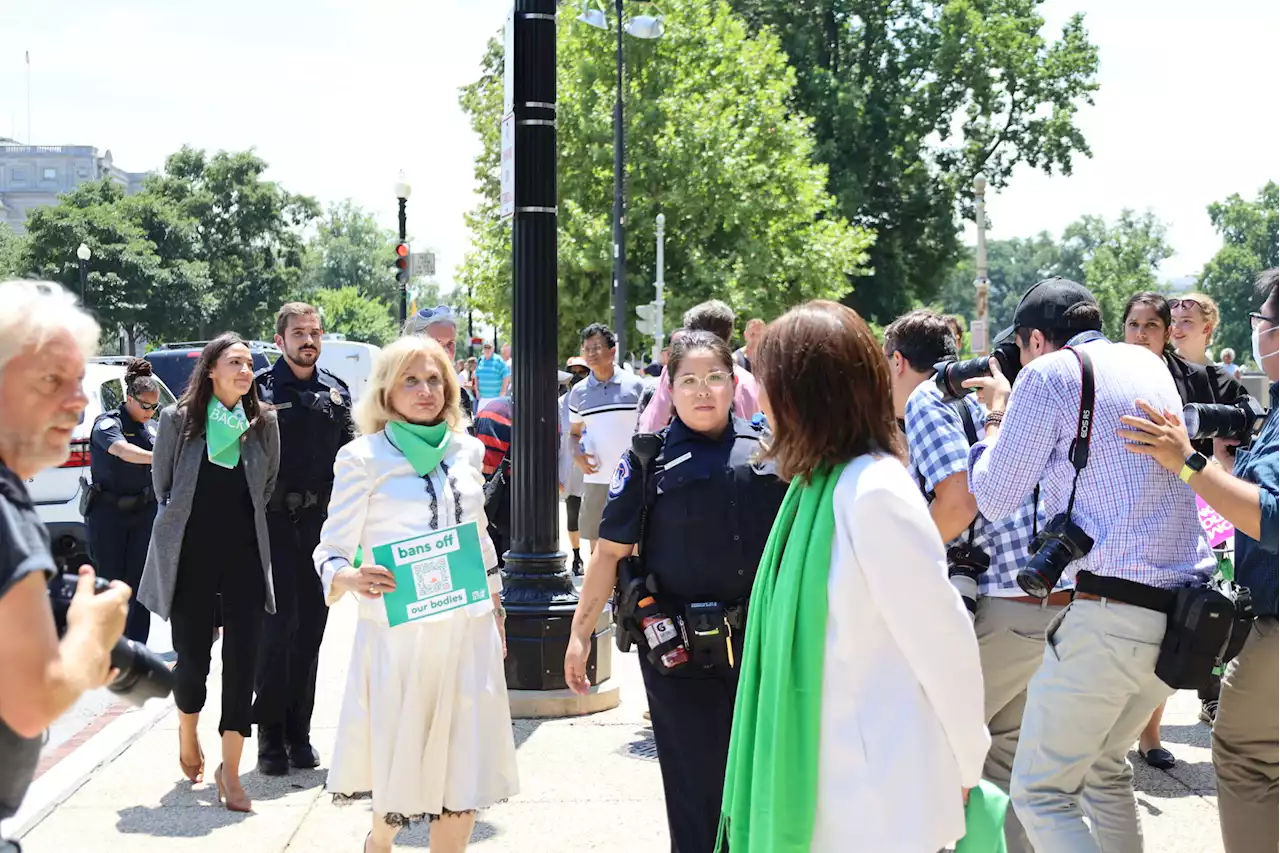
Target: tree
x=911, y=99
x=11, y=254
x=350, y=249
x=247, y=234
x=711, y=145
x=1249, y=246
x=361, y=318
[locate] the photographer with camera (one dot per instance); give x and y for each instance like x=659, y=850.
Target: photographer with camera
x=1246, y=737
x=44, y=341
x=983, y=556
x=1122, y=529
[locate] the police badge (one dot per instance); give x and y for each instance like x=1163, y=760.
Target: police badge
x=335, y=396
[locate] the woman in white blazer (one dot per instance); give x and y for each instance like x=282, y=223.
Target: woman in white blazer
x=888, y=671
x=425, y=729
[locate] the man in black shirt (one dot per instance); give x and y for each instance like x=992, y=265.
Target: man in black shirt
x=44, y=340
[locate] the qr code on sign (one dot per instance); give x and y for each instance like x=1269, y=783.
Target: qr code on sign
x=431, y=577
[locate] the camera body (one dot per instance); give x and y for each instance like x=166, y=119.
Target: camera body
x=1238, y=420
x=143, y=674
x=965, y=564
x=1060, y=543
x=951, y=375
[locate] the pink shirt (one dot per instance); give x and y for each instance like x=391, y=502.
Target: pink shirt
x=660, y=410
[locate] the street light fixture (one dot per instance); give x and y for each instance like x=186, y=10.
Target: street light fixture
x=643, y=27
x=402, y=191
x=84, y=254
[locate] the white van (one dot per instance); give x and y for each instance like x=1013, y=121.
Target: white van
x=350, y=361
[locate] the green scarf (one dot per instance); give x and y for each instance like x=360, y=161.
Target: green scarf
x=222, y=430
x=771, y=781
x=422, y=445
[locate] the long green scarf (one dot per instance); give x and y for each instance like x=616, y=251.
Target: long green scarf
x=222, y=430
x=771, y=782
x=422, y=445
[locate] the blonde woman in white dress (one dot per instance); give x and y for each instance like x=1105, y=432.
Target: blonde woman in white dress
x=425, y=728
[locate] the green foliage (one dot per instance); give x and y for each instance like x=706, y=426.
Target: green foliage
x=911, y=99
x=350, y=249
x=363, y=318
x=1249, y=246
x=12, y=258
x=710, y=144
x=1113, y=260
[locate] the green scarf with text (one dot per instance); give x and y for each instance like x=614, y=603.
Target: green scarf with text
x=771, y=780
x=222, y=430
x=422, y=445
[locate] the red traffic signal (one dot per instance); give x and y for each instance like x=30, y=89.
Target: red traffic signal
x=402, y=263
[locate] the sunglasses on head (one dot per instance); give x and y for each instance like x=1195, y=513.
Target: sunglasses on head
x=1185, y=303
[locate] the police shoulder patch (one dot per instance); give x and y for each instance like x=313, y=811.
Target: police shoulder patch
x=108, y=423
x=621, y=475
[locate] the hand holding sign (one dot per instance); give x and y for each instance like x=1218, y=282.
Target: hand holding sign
x=368, y=581
x=438, y=571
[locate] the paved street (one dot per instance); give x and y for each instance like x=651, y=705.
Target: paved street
x=586, y=784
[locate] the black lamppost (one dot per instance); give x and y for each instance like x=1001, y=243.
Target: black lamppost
x=402, y=190
x=538, y=591
x=644, y=27
x=83, y=253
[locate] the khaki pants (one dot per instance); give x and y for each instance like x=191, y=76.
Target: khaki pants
x=1085, y=707
x=1245, y=752
x=1011, y=646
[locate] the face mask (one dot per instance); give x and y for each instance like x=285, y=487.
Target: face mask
x=1257, y=347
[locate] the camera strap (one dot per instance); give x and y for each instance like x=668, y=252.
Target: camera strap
x=1079, y=451
x=970, y=433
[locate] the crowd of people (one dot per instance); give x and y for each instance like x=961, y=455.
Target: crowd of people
x=883, y=599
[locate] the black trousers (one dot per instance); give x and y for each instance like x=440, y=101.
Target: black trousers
x=692, y=719
x=118, y=545
x=291, y=638
x=205, y=572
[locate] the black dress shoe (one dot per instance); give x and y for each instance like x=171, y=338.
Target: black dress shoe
x=304, y=756
x=272, y=758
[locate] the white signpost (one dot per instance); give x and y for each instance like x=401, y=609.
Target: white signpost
x=978, y=336
x=422, y=264
x=507, y=192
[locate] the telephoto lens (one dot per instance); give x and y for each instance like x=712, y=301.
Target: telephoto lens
x=1060, y=543
x=965, y=564
x=143, y=674
x=951, y=375
x=1236, y=420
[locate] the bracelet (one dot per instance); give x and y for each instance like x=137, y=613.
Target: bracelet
x=993, y=419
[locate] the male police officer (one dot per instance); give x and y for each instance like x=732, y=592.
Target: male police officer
x=1010, y=624
x=1133, y=535
x=1246, y=737
x=314, y=409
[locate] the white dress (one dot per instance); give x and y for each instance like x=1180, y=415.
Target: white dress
x=425, y=726
x=902, y=702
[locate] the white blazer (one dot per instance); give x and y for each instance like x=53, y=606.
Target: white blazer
x=902, y=700
x=378, y=498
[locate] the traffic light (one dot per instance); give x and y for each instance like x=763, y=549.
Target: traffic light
x=402, y=264
x=649, y=323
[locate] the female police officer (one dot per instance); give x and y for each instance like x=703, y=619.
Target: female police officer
x=121, y=505
x=709, y=509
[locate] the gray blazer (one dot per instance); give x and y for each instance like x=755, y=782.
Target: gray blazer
x=175, y=469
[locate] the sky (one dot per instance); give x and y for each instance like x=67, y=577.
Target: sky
x=339, y=96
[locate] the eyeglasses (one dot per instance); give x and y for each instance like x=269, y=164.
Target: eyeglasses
x=1256, y=320
x=716, y=380
x=147, y=407
x=594, y=350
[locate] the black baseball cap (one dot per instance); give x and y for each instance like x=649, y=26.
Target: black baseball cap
x=1045, y=304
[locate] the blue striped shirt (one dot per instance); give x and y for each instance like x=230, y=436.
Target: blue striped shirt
x=1143, y=520
x=489, y=375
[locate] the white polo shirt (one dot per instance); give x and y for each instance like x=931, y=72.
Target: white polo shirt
x=607, y=411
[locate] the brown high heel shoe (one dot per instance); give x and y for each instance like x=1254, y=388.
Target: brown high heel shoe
x=241, y=804
x=193, y=772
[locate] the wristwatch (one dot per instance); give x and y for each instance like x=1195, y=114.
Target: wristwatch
x=1194, y=464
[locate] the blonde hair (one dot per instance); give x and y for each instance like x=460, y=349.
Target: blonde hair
x=1209, y=309
x=32, y=312
x=374, y=409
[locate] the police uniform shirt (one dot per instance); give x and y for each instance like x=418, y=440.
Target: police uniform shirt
x=712, y=508
x=315, y=420
x=24, y=550
x=111, y=473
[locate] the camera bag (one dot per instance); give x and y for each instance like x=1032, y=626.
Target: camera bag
x=1201, y=623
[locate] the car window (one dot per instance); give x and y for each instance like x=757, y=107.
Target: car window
x=111, y=393
x=166, y=397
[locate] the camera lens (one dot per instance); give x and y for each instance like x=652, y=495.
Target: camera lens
x=1037, y=579
x=1218, y=420
x=951, y=375
x=143, y=674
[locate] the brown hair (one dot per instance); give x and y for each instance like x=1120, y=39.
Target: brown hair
x=695, y=341
x=200, y=387
x=293, y=309
x=827, y=382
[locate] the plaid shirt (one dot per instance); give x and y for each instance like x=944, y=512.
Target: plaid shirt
x=939, y=448
x=1143, y=520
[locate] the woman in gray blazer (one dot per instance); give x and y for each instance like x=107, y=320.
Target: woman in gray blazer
x=214, y=467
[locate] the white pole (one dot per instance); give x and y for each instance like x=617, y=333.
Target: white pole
x=983, y=345
x=28, y=58
x=658, y=286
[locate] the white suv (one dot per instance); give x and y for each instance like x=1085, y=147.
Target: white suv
x=56, y=491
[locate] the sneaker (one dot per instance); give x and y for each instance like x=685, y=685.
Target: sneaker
x=1209, y=712
x=577, y=569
